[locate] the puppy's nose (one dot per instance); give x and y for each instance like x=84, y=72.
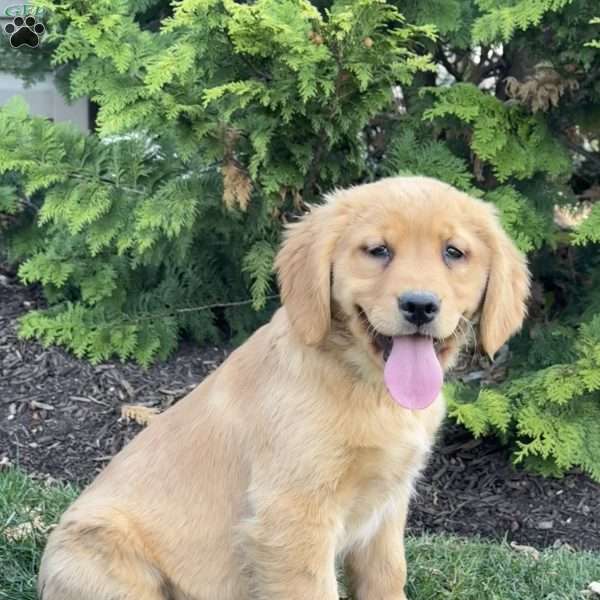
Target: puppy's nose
x=419, y=308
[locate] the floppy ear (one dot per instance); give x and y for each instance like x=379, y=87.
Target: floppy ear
x=303, y=267
x=504, y=305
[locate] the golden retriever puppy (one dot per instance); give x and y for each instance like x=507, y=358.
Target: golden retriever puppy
x=304, y=445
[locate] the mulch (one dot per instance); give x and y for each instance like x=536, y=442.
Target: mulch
x=60, y=419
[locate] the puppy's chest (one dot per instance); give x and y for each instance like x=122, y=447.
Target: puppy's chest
x=377, y=483
x=385, y=450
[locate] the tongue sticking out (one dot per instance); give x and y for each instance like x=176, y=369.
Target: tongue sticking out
x=413, y=374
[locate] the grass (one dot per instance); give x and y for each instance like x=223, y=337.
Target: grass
x=458, y=569
x=27, y=508
x=440, y=568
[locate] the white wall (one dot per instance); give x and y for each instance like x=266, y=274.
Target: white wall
x=45, y=100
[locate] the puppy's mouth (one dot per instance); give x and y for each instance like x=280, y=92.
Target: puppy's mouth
x=383, y=344
x=413, y=372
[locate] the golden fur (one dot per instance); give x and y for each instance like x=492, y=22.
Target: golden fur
x=293, y=453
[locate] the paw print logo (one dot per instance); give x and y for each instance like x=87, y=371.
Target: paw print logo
x=25, y=32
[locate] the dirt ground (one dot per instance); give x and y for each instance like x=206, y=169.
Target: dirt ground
x=60, y=418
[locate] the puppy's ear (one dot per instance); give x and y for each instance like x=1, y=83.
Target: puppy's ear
x=303, y=267
x=504, y=305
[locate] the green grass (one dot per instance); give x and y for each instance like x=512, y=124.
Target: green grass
x=440, y=568
x=458, y=569
x=23, y=503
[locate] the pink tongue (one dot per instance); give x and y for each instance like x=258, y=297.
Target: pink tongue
x=413, y=375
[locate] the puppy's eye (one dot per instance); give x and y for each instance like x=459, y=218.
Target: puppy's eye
x=381, y=251
x=452, y=253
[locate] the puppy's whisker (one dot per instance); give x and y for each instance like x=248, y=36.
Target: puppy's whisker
x=470, y=332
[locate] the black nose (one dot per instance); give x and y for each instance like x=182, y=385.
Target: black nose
x=419, y=307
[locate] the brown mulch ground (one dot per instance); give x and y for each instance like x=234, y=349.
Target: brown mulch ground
x=60, y=418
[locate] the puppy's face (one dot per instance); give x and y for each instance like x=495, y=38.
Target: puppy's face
x=403, y=257
x=411, y=266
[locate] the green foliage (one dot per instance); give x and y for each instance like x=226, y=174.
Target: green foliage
x=210, y=129
x=594, y=43
x=407, y=154
x=553, y=413
x=589, y=230
x=444, y=14
x=529, y=227
x=490, y=410
x=258, y=263
x=501, y=19
x=499, y=134
x=242, y=78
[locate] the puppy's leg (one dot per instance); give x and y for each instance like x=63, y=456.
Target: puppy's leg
x=96, y=562
x=290, y=549
x=378, y=567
